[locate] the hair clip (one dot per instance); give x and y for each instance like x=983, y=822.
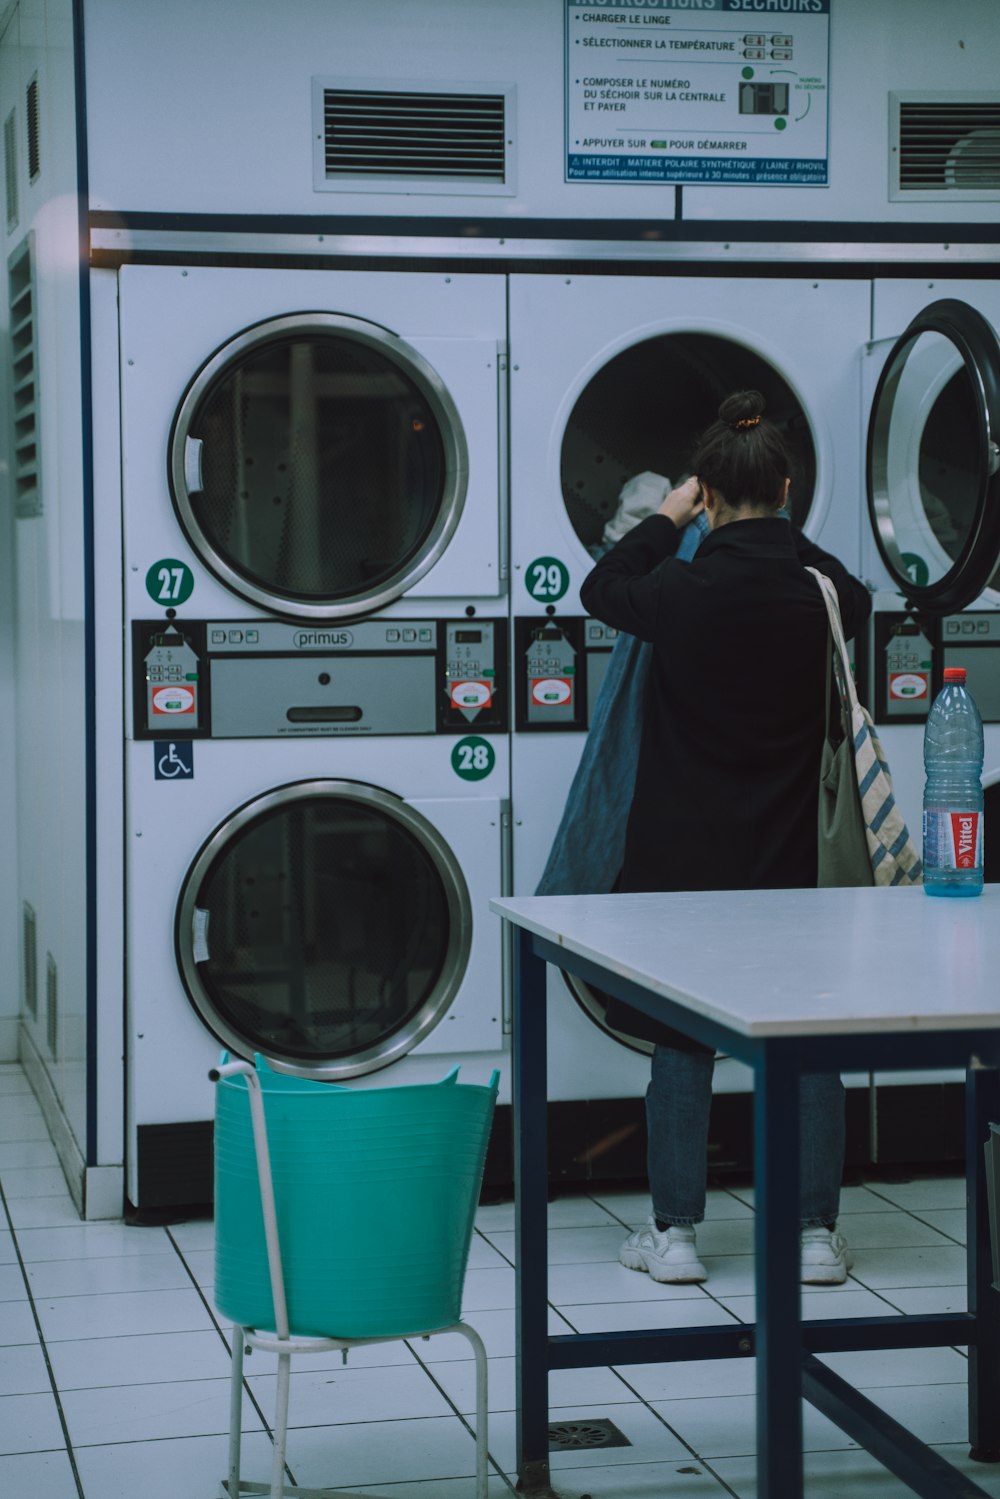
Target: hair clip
x=744, y=422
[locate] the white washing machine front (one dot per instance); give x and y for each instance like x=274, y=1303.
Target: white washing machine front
x=932, y=408
x=616, y=376
x=587, y=1058
x=324, y=902
x=319, y=445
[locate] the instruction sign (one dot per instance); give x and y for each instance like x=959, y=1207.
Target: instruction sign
x=706, y=91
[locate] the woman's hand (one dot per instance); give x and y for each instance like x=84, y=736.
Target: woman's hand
x=683, y=504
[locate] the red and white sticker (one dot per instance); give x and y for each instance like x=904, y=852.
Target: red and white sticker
x=908, y=685
x=476, y=693
x=965, y=839
x=175, y=701
x=552, y=692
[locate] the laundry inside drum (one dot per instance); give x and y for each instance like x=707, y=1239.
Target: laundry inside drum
x=645, y=411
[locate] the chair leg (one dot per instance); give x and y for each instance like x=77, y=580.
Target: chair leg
x=235, y=1414
x=482, y=1402
x=280, y=1426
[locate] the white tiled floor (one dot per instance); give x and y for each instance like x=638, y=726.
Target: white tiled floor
x=114, y=1366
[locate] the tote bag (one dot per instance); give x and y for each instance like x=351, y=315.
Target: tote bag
x=843, y=847
x=856, y=787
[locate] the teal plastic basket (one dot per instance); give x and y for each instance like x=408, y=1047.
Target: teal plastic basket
x=376, y=1193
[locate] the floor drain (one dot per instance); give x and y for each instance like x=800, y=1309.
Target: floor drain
x=571, y=1436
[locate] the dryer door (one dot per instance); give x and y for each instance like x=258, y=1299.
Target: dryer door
x=318, y=465
x=326, y=924
x=934, y=460
x=595, y=1006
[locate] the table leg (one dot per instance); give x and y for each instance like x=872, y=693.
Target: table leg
x=776, y=1247
x=982, y=1104
x=531, y=1175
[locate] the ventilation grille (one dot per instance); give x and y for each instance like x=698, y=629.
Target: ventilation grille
x=385, y=137
x=51, y=1005
x=29, y=959
x=34, y=157
x=10, y=169
x=24, y=380
x=946, y=147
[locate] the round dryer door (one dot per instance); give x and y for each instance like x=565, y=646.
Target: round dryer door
x=642, y=414
x=318, y=465
x=325, y=924
x=934, y=460
x=595, y=1007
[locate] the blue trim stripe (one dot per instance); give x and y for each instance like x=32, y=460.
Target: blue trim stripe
x=880, y=816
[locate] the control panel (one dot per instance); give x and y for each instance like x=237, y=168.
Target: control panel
x=909, y=656
x=232, y=679
x=172, y=690
x=560, y=664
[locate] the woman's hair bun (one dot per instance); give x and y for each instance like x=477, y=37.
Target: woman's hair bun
x=741, y=406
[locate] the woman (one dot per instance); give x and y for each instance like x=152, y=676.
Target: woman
x=726, y=792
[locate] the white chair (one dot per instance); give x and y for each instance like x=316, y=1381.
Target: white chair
x=301, y=1168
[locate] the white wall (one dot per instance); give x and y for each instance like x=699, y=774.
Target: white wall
x=46, y=618
x=10, y=985
x=206, y=108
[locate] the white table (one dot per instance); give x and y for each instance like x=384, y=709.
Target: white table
x=788, y=981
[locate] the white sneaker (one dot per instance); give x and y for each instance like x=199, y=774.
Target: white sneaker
x=667, y=1256
x=826, y=1258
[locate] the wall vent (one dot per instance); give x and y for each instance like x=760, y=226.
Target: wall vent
x=34, y=137
x=372, y=139
x=10, y=169
x=29, y=959
x=51, y=1005
x=24, y=379
x=942, y=146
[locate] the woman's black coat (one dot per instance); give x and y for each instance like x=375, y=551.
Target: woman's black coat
x=726, y=791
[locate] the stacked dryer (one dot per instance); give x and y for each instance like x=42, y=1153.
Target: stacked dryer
x=932, y=402
x=612, y=377
x=316, y=725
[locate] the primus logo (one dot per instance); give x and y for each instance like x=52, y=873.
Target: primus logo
x=313, y=639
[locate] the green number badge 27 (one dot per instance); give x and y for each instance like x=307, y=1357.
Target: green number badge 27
x=169, y=581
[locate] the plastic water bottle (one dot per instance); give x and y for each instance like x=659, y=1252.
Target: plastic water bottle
x=953, y=791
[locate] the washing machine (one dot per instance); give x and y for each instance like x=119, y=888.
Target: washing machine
x=317, y=772
x=931, y=548
x=931, y=543
x=312, y=444
x=559, y=665
x=612, y=377
x=315, y=823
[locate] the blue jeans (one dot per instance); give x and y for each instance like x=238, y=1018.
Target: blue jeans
x=678, y=1101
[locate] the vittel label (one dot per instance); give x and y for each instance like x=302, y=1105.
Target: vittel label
x=965, y=839
x=953, y=840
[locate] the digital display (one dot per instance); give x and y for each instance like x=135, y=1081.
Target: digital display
x=468, y=637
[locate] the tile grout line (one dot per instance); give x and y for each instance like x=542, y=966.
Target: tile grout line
x=44, y=1347
x=641, y=1398
x=218, y=1328
x=444, y=1393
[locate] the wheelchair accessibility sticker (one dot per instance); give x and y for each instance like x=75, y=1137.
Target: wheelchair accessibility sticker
x=173, y=760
